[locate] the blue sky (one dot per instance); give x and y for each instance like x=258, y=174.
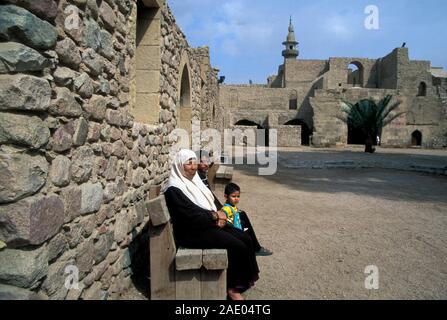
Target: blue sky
x=245, y=36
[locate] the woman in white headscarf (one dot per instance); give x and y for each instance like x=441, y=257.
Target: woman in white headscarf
x=198, y=224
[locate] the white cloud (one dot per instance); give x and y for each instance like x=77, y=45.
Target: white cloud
x=338, y=26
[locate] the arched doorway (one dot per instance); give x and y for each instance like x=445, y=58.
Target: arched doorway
x=305, y=131
x=185, y=112
x=355, y=74
x=248, y=123
x=422, y=90
x=416, y=139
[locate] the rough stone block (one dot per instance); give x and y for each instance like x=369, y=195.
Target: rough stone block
x=116, y=117
x=119, y=149
x=64, y=76
x=65, y=104
x=158, y=211
x=84, y=86
x=188, y=259
x=23, y=130
x=215, y=259
x=81, y=132
x=23, y=269
x=68, y=53
x=21, y=174
x=103, y=246
x=82, y=164
x=94, y=292
x=45, y=9
x=62, y=139
x=60, y=171
x=92, y=34
x=16, y=22
x=94, y=62
x=85, y=258
x=31, y=221
x=92, y=197
x=96, y=107
x=54, y=283
x=15, y=57
x=71, y=197
x=14, y=293
x=24, y=92
x=57, y=246
x=107, y=15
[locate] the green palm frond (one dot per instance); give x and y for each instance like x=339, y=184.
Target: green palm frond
x=368, y=115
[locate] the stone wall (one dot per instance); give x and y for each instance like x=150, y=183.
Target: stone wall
x=337, y=77
x=388, y=70
x=288, y=136
x=75, y=166
x=319, y=86
x=421, y=113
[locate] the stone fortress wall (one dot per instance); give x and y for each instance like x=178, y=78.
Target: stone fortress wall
x=310, y=92
x=85, y=118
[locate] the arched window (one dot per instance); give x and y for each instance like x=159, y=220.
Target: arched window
x=416, y=139
x=185, y=110
x=422, y=90
x=355, y=74
x=293, y=100
x=185, y=89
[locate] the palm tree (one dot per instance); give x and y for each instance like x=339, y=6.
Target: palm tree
x=370, y=117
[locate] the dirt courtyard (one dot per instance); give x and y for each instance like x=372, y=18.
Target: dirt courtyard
x=326, y=226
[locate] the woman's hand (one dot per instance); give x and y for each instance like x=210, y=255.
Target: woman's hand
x=222, y=222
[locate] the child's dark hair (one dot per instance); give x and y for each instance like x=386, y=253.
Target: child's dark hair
x=231, y=188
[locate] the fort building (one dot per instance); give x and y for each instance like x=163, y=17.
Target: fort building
x=303, y=99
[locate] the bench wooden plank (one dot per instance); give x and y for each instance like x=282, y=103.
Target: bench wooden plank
x=220, y=173
x=162, y=262
x=229, y=173
x=215, y=259
x=188, y=259
x=158, y=211
x=214, y=284
x=188, y=286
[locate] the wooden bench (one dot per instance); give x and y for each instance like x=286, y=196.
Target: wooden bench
x=183, y=274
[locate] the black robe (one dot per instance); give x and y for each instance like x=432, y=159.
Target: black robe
x=194, y=228
x=244, y=217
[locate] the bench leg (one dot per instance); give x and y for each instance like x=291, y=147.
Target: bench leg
x=214, y=284
x=162, y=264
x=187, y=284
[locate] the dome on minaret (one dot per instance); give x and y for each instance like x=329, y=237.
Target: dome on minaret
x=291, y=35
x=291, y=51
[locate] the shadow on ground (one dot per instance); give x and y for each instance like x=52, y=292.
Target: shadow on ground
x=379, y=183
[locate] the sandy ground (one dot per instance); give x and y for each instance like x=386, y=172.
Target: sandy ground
x=326, y=226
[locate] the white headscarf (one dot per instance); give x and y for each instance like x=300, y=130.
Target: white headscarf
x=195, y=190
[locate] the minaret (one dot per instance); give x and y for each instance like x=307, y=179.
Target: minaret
x=291, y=51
